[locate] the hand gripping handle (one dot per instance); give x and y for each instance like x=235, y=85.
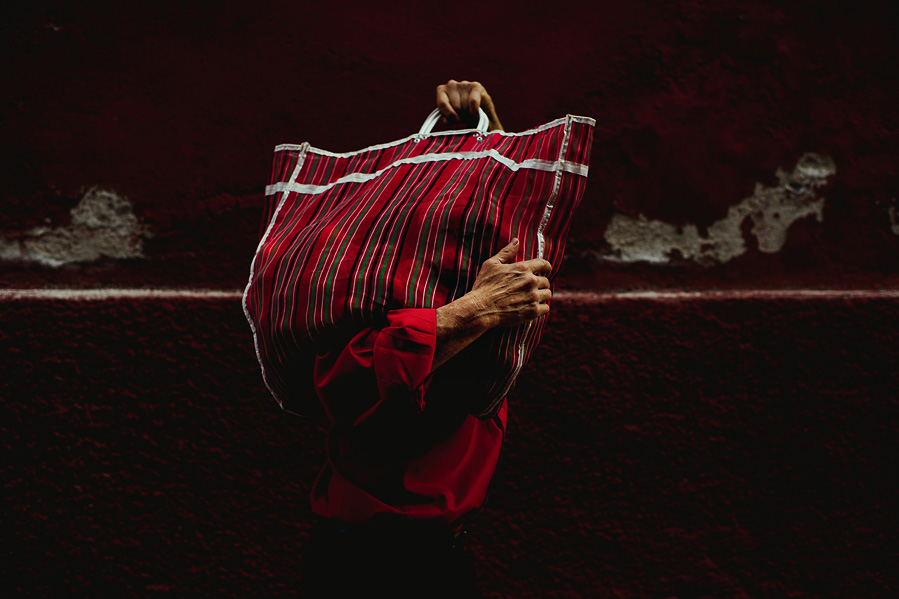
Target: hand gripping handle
x=483, y=122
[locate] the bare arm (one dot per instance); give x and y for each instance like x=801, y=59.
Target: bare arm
x=505, y=293
x=458, y=324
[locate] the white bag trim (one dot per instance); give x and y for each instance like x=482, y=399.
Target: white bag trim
x=541, y=245
x=246, y=311
x=428, y=126
x=560, y=121
x=539, y=165
x=285, y=187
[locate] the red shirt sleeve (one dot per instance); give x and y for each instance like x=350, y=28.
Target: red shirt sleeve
x=380, y=370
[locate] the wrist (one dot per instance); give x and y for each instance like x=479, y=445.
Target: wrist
x=466, y=315
x=476, y=312
x=459, y=323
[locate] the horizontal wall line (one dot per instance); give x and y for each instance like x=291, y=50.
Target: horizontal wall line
x=588, y=296
x=81, y=295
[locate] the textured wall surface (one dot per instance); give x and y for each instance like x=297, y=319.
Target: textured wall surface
x=177, y=109
x=704, y=447
x=736, y=445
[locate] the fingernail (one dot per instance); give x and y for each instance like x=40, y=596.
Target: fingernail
x=515, y=241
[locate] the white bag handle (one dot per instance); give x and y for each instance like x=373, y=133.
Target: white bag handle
x=483, y=122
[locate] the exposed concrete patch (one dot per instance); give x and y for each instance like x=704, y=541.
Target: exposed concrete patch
x=103, y=225
x=893, y=213
x=771, y=209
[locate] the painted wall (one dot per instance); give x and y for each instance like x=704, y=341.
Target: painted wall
x=708, y=446
x=704, y=111
x=683, y=446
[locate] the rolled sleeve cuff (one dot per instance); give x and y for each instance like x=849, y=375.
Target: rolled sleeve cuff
x=404, y=354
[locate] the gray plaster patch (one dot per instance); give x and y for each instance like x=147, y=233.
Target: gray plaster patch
x=893, y=213
x=770, y=209
x=103, y=225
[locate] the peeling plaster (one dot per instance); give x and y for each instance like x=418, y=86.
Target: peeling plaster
x=893, y=213
x=103, y=225
x=771, y=209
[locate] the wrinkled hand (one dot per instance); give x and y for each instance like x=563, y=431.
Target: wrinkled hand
x=460, y=100
x=512, y=293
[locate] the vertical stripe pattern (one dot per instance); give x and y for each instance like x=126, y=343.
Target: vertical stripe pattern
x=348, y=237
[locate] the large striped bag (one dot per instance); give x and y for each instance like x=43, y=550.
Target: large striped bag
x=407, y=224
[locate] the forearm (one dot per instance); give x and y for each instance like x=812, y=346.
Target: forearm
x=458, y=324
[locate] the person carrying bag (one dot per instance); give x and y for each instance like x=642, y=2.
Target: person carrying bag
x=399, y=290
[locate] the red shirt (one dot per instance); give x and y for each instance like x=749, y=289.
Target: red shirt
x=397, y=444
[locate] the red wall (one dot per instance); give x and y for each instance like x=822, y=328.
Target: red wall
x=717, y=447
x=178, y=109
x=680, y=447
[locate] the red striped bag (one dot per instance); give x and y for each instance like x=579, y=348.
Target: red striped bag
x=407, y=224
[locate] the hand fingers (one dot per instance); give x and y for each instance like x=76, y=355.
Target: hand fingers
x=536, y=265
x=463, y=99
x=542, y=283
x=486, y=101
x=458, y=97
x=474, y=99
x=444, y=103
x=455, y=101
x=544, y=295
x=507, y=254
